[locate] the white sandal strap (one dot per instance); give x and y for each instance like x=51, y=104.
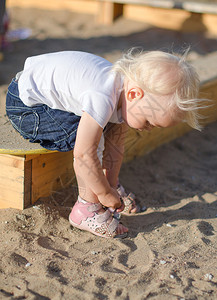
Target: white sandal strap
x=113, y=225
x=108, y=230
x=104, y=217
x=121, y=191
x=94, y=207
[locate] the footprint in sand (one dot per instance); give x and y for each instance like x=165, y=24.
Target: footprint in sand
x=205, y=228
x=55, y=271
x=135, y=255
x=47, y=243
x=139, y=257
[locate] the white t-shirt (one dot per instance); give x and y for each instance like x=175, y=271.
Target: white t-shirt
x=72, y=81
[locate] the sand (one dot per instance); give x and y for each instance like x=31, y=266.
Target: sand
x=171, y=249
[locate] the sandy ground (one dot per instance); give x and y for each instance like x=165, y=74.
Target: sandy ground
x=171, y=249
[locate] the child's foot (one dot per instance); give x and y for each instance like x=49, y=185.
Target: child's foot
x=129, y=200
x=92, y=217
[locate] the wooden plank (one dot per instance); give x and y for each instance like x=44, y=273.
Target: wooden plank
x=47, y=169
x=159, y=17
x=82, y=6
x=184, y=16
x=23, y=181
x=10, y=199
x=108, y=12
x=16, y=179
x=11, y=171
x=201, y=6
x=11, y=182
x=11, y=160
x=173, y=19
x=209, y=91
x=210, y=22
x=27, y=196
x=11, y=167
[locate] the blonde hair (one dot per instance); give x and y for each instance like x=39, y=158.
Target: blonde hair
x=163, y=73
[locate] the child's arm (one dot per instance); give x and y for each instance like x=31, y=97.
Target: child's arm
x=87, y=165
x=114, y=151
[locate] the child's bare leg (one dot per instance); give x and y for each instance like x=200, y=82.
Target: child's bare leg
x=85, y=192
x=112, y=160
x=114, y=151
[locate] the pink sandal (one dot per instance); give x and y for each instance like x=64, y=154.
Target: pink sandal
x=85, y=216
x=129, y=201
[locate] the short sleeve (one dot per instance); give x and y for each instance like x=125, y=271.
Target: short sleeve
x=99, y=106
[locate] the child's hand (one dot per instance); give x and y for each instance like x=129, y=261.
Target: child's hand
x=117, y=210
x=121, y=208
x=111, y=199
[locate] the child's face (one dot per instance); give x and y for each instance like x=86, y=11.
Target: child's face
x=146, y=111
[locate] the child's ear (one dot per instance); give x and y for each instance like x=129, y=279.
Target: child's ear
x=135, y=93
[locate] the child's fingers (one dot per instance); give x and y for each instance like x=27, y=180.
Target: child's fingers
x=121, y=208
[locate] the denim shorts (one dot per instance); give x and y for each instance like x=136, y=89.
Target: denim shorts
x=54, y=129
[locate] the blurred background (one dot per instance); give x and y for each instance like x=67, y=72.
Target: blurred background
x=31, y=27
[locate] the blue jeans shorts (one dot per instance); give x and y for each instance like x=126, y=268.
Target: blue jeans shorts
x=54, y=129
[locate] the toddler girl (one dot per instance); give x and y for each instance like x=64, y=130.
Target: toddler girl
x=76, y=100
